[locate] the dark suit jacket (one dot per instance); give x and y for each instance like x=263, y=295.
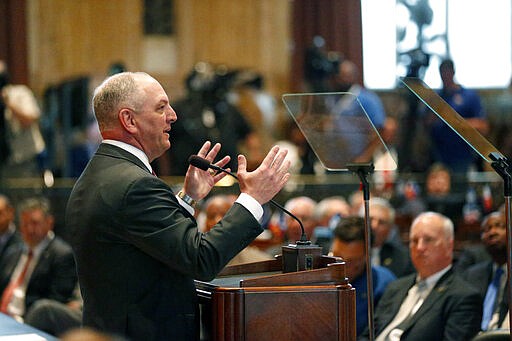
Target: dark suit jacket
x=13, y=241
x=480, y=276
x=470, y=256
x=54, y=275
x=138, y=251
x=395, y=256
x=452, y=310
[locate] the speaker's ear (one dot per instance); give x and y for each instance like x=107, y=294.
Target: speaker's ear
x=127, y=120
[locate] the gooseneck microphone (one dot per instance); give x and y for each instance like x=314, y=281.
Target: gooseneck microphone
x=204, y=164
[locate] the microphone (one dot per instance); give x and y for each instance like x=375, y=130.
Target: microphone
x=204, y=164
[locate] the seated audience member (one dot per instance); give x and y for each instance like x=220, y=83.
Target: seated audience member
x=477, y=253
x=387, y=247
x=471, y=255
x=439, y=195
x=435, y=303
x=329, y=207
x=303, y=208
x=42, y=267
x=408, y=199
x=490, y=277
x=356, y=201
x=327, y=214
x=215, y=208
x=349, y=244
x=9, y=237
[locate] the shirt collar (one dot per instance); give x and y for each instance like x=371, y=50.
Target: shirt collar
x=132, y=150
x=495, y=267
x=433, y=279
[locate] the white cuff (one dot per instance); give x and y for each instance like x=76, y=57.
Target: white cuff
x=186, y=206
x=251, y=205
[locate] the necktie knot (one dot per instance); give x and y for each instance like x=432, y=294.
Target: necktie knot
x=497, y=275
x=422, y=285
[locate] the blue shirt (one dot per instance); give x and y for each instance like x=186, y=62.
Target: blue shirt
x=459, y=156
x=381, y=277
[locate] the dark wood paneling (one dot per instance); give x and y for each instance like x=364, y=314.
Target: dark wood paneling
x=13, y=39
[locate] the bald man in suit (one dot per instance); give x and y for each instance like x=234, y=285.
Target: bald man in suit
x=434, y=303
x=137, y=244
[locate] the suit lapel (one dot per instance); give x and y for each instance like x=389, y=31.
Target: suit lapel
x=399, y=297
x=434, y=296
x=110, y=150
x=42, y=261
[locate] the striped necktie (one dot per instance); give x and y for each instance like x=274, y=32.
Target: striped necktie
x=15, y=283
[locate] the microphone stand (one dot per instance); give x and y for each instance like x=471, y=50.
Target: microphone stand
x=296, y=257
x=303, y=255
x=362, y=170
x=503, y=168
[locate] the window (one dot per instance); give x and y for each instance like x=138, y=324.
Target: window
x=411, y=37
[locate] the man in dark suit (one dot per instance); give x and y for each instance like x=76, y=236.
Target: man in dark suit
x=137, y=244
x=42, y=267
x=481, y=275
x=388, y=249
x=434, y=304
x=9, y=237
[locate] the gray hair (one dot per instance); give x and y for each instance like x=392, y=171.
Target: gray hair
x=116, y=91
x=381, y=202
x=293, y=202
x=323, y=205
x=447, y=224
x=36, y=203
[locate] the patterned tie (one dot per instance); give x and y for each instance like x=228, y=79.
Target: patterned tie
x=9, y=290
x=490, y=298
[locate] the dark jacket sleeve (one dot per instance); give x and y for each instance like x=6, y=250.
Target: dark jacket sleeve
x=152, y=219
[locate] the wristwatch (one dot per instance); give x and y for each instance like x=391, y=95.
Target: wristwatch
x=187, y=198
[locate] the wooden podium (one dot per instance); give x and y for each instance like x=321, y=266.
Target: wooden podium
x=257, y=301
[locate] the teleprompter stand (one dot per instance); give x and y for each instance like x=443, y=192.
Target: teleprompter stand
x=480, y=145
x=343, y=137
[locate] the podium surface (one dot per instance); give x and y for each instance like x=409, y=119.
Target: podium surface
x=266, y=304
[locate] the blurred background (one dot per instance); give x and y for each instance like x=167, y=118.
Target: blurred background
x=220, y=60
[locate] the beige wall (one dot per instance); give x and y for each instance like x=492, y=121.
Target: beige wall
x=67, y=38
x=70, y=38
